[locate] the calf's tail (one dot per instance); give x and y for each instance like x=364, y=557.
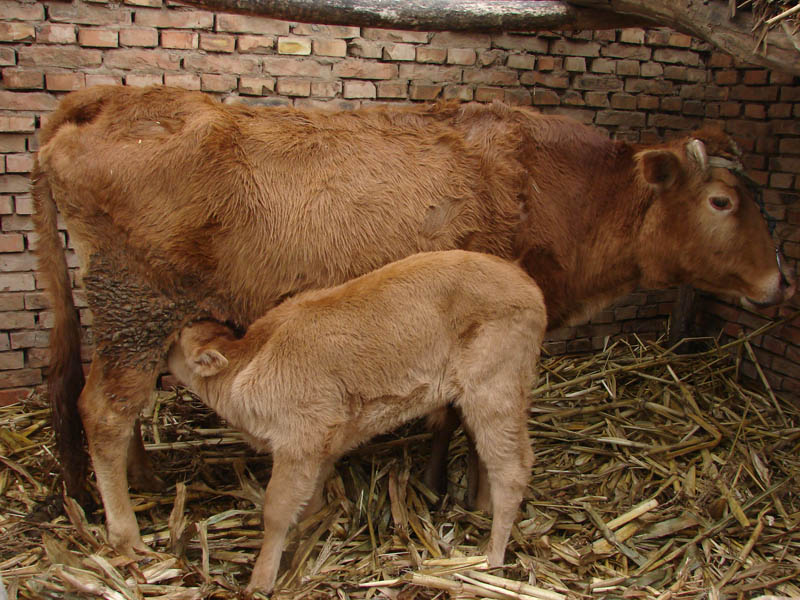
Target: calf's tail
x=65, y=375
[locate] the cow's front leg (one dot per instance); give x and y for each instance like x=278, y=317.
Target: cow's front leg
x=109, y=405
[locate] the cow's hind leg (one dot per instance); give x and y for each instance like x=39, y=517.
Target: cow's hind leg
x=109, y=405
x=291, y=485
x=141, y=474
x=442, y=424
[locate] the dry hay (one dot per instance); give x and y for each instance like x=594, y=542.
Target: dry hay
x=657, y=476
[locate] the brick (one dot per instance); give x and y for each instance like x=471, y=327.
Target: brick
x=400, y=51
x=524, y=62
x=292, y=67
x=23, y=79
x=17, y=319
x=651, y=69
x=597, y=82
x=627, y=51
x=82, y=14
x=517, y=96
x=147, y=3
x=424, y=91
x=98, y=38
x=755, y=77
x=726, y=77
x=573, y=98
x=217, y=63
x=695, y=108
x=489, y=94
x=781, y=180
x=632, y=35
x=630, y=68
x=330, y=89
x=251, y=24
x=20, y=378
x=256, y=86
x=13, y=395
x=7, y=208
x=657, y=87
x=671, y=104
x=365, y=49
x=143, y=37
x=528, y=43
x=179, y=40
x=297, y=46
x=175, y=19
x=12, y=143
x=463, y=93
x=143, y=79
x=432, y=73
x=461, y=56
x=7, y=57
x=490, y=58
x=210, y=82
x=603, y=65
x=65, y=82
x=392, y=89
x=16, y=32
x=597, y=99
x=428, y=55
x=326, y=31
x=621, y=117
x=290, y=86
x=657, y=37
x=21, y=11
x=14, y=184
x=545, y=98
x=495, y=76
x=363, y=69
x=330, y=47
x=679, y=40
x=551, y=80
x=569, y=48
x=255, y=44
x=59, y=56
x=575, y=64
x=394, y=35
x=212, y=42
x=672, y=121
x=12, y=242
x=186, y=81
x=754, y=94
x=781, y=110
x=755, y=111
x=12, y=360
x=546, y=63
x=359, y=89
x=670, y=55
x=142, y=60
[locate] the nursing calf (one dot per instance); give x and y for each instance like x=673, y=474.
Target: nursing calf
x=329, y=369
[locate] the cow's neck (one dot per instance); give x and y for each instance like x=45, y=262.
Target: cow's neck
x=583, y=231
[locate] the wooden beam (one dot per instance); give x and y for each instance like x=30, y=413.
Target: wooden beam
x=431, y=15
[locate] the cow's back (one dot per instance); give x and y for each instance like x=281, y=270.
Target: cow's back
x=239, y=207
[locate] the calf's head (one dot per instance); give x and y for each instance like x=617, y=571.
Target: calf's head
x=705, y=225
x=197, y=353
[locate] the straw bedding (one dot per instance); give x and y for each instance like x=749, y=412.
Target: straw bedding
x=656, y=476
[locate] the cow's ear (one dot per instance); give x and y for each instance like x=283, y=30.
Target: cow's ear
x=659, y=168
x=207, y=362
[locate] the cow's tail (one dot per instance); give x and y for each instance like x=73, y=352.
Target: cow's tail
x=65, y=375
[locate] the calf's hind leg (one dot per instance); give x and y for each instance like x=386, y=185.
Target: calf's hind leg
x=109, y=406
x=502, y=442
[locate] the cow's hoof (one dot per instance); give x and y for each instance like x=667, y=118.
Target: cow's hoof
x=146, y=482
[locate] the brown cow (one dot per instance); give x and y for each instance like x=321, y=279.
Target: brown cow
x=181, y=207
x=328, y=369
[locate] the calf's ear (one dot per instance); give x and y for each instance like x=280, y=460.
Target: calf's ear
x=659, y=168
x=207, y=362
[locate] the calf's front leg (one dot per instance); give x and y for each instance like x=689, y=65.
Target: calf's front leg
x=290, y=487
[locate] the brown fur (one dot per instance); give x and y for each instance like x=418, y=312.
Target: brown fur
x=181, y=207
x=327, y=370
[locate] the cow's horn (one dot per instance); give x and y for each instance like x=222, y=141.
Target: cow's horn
x=697, y=150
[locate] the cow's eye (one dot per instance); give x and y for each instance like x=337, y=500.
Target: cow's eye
x=720, y=202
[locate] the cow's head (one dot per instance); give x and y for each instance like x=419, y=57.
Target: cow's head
x=197, y=353
x=706, y=226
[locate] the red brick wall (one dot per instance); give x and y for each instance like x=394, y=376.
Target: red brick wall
x=638, y=85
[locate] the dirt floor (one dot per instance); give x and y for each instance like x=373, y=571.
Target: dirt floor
x=656, y=476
